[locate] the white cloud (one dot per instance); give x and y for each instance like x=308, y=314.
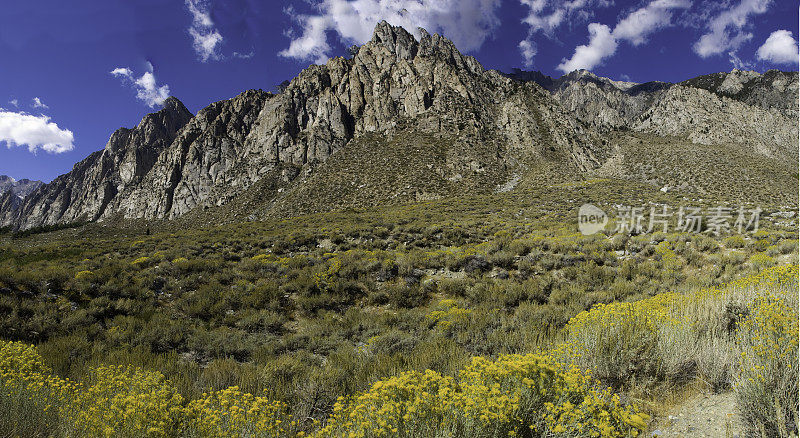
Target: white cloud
x=119, y=71
x=206, y=38
x=35, y=132
x=726, y=31
x=37, y=103
x=247, y=55
x=780, y=48
x=147, y=89
x=639, y=24
x=466, y=22
x=634, y=28
x=528, y=50
x=739, y=63
x=14, y=102
x=545, y=16
x=601, y=45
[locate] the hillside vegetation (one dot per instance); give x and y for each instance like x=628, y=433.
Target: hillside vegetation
x=476, y=315
x=627, y=344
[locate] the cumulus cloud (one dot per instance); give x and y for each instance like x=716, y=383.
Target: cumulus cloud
x=468, y=23
x=726, y=31
x=634, y=28
x=601, y=45
x=147, y=89
x=35, y=132
x=780, y=48
x=639, y=24
x=206, y=38
x=545, y=16
x=122, y=71
x=528, y=50
x=37, y=103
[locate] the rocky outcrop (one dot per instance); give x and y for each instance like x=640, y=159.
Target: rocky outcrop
x=706, y=118
x=600, y=102
x=85, y=193
x=774, y=89
x=402, y=119
x=173, y=163
x=21, y=188
x=741, y=107
x=209, y=161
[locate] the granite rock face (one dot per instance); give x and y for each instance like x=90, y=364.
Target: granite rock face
x=173, y=163
x=604, y=104
x=85, y=193
x=706, y=118
x=447, y=120
x=774, y=89
x=755, y=110
x=21, y=188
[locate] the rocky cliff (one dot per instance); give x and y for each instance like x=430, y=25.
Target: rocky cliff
x=392, y=84
x=757, y=111
x=401, y=120
x=85, y=193
x=21, y=188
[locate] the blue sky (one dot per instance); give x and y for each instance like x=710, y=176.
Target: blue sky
x=73, y=72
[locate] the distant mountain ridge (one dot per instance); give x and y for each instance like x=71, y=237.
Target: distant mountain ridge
x=13, y=191
x=21, y=188
x=407, y=120
x=743, y=107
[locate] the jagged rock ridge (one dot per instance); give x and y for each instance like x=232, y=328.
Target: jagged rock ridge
x=745, y=107
x=406, y=120
x=393, y=83
x=21, y=188
x=85, y=193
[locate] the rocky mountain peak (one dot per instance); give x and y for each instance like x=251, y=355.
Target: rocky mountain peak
x=396, y=39
x=581, y=74
x=773, y=90
x=167, y=121
x=161, y=125
x=406, y=117
x=21, y=188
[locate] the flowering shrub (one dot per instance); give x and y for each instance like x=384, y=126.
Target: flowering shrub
x=448, y=313
x=410, y=404
x=30, y=397
x=514, y=395
x=124, y=402
x=659, y=338
x=761, y=260
x=233, y=413
x=510, y=396
x=533, y=392
x=84, y=275
x=767, y=384
x=141, y=261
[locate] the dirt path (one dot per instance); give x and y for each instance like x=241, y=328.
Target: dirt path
x=704, y=415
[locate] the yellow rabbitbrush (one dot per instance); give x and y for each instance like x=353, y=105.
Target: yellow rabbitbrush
x=742, y=336
x=514, y=395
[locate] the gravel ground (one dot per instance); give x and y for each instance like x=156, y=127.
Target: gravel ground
x=704, y=415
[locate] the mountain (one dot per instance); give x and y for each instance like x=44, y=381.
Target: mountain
x=754, y=110
x=21, y=188
x=410, y=120
x=86, y=192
